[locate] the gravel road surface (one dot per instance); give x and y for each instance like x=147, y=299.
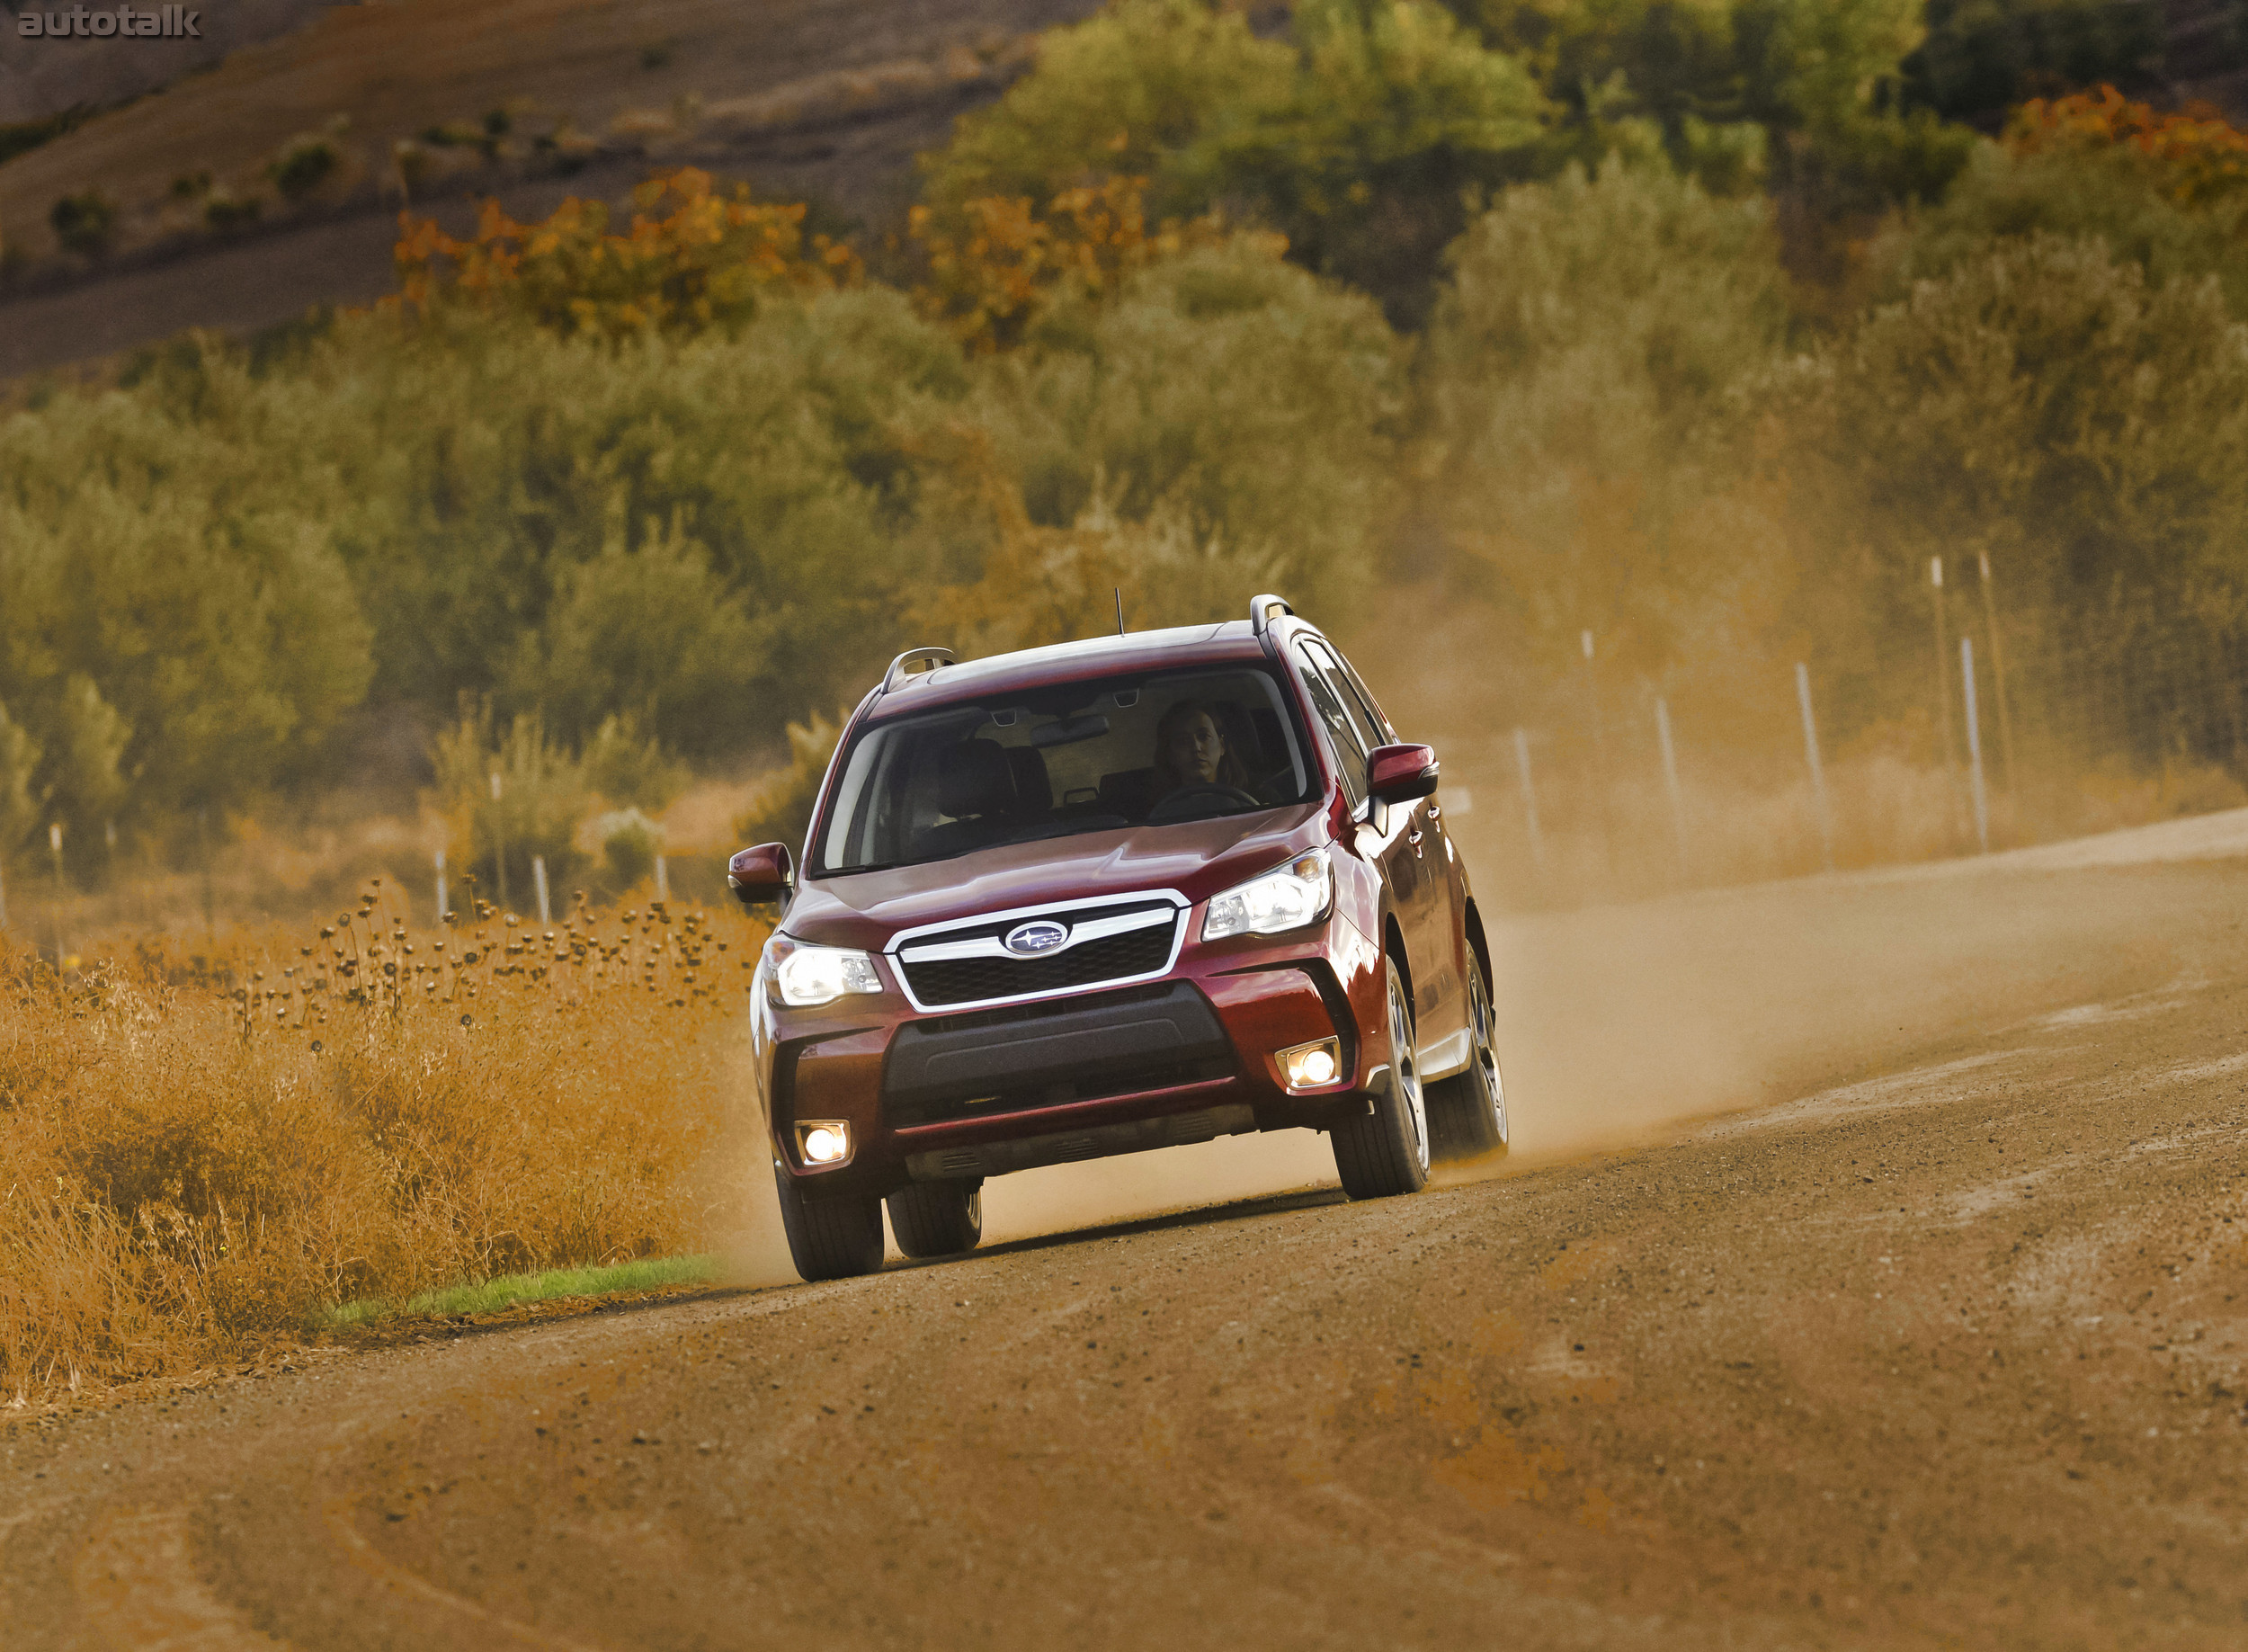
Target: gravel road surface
x=1873, y=1271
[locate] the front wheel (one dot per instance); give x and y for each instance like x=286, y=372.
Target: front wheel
x=937, y=1218
x=1467, y=1110
x=830, y=1238
x=1387, y=1152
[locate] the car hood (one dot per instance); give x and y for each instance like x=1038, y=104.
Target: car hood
x=1197, y=858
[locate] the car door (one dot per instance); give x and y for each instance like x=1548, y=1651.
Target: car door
x=1383, y=836
x=1436, y=939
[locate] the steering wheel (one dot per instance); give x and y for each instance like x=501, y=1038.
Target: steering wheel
x=1191, y=799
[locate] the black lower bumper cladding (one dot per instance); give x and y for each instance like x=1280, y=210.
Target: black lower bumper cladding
x=1078, y=1050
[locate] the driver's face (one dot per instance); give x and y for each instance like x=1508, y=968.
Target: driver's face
x=1195, y=748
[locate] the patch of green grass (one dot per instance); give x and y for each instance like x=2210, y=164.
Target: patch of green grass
x=494, y=1294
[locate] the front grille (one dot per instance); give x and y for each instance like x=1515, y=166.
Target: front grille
x=969, y=980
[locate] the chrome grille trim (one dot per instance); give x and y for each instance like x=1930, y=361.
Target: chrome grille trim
x=933, y=948
x=991, y=946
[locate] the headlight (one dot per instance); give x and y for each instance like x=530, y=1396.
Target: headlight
x=1294, y=896
x=804, y=975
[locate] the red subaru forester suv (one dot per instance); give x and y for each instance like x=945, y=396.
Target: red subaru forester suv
x=1113, y=895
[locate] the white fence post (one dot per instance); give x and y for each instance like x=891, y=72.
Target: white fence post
x=662, y=880
x=1529, y=799
x=54, y=844
x=1975, y=746
x=1818, y=775
x=499, y=841
x=1670, y=778
x=538, y=879
x=441, y=889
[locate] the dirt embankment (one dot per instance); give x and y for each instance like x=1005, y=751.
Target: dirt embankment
x=815, y=100
x=1946, y=1348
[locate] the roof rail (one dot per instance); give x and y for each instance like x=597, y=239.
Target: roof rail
x=1261, y=612
x=897, y=676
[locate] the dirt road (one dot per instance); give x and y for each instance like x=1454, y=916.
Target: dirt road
x=1938, y=1339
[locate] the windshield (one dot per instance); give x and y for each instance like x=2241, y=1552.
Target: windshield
x=1057, y=761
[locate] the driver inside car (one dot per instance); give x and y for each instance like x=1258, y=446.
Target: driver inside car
x=1192, y=751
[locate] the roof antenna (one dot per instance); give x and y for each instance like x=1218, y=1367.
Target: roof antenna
x=1120, y=609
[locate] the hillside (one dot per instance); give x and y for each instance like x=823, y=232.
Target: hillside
x=818, y=99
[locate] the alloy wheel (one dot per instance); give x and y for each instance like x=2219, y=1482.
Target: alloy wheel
x=1405, y=1061
x=1485, y=1056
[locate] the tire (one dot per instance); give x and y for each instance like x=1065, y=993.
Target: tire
x=1386, y=1153
x=937, y=1218
x=830, y=1238
x=1467, y=1110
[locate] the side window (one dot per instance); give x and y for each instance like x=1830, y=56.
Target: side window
x=1355, y=700
x=1383, y=727
x=1343, y=732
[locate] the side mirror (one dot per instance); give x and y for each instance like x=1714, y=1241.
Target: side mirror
x=1400, y=773
x=765, y=873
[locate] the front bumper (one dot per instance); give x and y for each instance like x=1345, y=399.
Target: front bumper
x=931, y=1096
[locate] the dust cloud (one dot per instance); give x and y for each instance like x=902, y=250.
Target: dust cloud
x=1618, y=1024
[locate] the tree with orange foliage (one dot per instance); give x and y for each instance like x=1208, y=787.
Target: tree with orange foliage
x=992, y=280
x=2198, y=157
x=694, y=259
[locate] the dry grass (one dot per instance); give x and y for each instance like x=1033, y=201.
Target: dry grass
x=194, y=1160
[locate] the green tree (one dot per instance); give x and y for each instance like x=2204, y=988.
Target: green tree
x=1581, y=396
x=206, y=614
x=86, y=780
x=1395, y=115
x=20, y=800
x=1357, y=142
x=651, y=633
x=2114, y=193
x=1131, y=92
x=1980, y=58
x=1803, y=95
x=2046, y=404
x=1257, y=404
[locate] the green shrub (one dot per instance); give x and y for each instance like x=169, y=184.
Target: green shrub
x=624, y=768
x=630, y=842
x=507, y=792
x=85, y=223
x=303, y=165
x=223, y=212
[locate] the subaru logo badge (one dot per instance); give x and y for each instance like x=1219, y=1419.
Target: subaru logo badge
x=1036, y=938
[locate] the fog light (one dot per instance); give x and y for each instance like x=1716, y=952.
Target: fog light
x=1307, y=1066
x=826, y=1142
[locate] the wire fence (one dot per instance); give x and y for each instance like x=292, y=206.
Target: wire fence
x=1991, y=731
